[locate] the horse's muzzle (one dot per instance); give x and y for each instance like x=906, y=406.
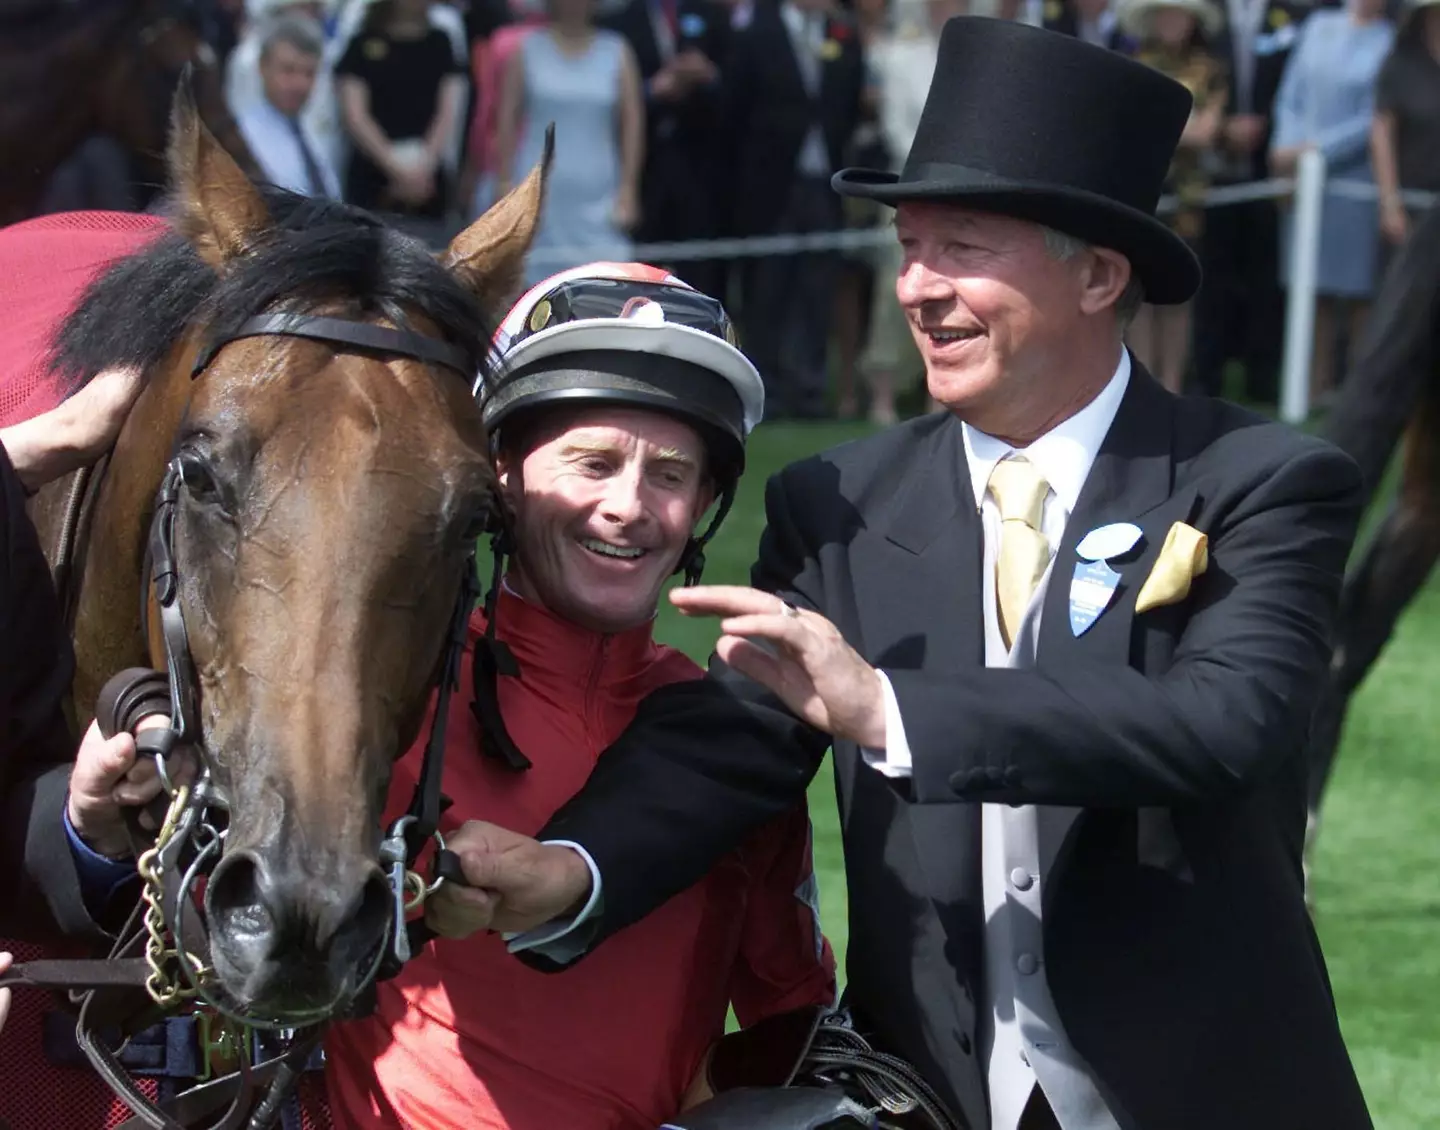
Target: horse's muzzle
x=289, y=944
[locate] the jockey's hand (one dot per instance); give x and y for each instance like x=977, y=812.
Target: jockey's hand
x=108, y=777
x=515, y=883
x=5, y=960
x=76, y=432
x=803, y=658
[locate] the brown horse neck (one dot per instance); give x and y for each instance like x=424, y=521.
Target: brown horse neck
x=110, y=567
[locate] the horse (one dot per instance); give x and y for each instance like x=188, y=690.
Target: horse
x=1388, y=405
x=69, y=71
x=304, y=476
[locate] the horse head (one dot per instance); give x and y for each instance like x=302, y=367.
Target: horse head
x=326, y=499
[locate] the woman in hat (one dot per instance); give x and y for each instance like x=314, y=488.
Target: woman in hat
x=1327, y=102
x=1405, y=136
x=1174, y=38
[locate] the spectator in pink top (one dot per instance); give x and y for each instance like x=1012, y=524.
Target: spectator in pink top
x=488, y=57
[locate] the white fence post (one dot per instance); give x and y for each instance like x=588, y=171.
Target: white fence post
x=1300, y=302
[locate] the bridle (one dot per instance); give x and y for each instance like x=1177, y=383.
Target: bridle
x=164, y=947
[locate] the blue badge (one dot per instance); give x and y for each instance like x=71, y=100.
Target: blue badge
x=692, y=25
x=1105, y=542
x=1091, y=588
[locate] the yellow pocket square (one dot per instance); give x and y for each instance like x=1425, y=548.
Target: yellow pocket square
x=1183, y=557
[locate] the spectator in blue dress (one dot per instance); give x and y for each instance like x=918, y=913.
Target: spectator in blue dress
x=1327, y=102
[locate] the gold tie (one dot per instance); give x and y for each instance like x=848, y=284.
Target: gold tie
x=1020, y=492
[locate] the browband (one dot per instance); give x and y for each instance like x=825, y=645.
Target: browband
x=342, y=331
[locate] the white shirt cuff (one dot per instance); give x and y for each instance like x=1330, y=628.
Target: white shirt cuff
x=557, y=939
x=894, y=760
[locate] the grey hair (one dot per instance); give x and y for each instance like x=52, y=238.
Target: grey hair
x=303, y=33
x=1063, y=247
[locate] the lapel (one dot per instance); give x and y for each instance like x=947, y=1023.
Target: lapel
x=921, y=609
x=1130, y=482
x=930, y=585
x=785, y=47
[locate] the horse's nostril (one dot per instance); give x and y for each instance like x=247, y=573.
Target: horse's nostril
x=235, y=896
x=360, y=926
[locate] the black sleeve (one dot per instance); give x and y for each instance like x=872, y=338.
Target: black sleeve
x=1235, y=701
x=354, y=61
x=1387, y=85
x=702, y=764
x=453, y=64
x=39, y=888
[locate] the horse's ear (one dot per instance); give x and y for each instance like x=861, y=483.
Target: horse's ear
x=219, y=210
x=489, y=255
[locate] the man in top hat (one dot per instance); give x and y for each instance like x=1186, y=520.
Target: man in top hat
x=1065, y=639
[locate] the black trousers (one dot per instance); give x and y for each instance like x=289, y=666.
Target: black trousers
x=1240, y=310
x=678, y=203
x=788, y=301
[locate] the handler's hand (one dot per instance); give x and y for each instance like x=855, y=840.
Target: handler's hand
x=108, y=776
x=515, y=883
x=814, y=671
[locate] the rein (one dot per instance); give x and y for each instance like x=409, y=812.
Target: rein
x=164, y=947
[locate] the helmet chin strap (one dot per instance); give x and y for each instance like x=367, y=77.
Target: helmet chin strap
x=692, y=561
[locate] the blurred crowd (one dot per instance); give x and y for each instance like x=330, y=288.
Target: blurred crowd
x=679, y=120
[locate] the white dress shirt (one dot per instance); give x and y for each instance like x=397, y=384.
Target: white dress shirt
x=272, y=141
x=1063, y=456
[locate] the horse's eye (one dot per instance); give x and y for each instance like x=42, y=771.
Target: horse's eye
x=198, y=479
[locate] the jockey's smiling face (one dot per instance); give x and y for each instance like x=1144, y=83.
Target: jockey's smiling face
x=604, y=501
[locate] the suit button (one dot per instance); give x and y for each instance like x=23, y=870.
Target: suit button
x=1021, y=879
x=964, y=1043
x=1027, y=963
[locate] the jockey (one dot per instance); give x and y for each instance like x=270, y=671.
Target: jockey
x=619, y=418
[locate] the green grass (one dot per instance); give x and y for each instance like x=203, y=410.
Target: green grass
x=1377, y=882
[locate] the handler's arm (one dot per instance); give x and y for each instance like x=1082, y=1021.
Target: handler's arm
x=1235, y=703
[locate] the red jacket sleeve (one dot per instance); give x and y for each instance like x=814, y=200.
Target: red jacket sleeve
x=784, y=960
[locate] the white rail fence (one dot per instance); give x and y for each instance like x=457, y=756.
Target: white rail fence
x=1307, y=188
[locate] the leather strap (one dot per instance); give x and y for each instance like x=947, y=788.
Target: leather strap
x=343, y=331
x=71, y=974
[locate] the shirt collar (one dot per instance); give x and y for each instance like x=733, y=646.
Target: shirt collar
x=1064, y=454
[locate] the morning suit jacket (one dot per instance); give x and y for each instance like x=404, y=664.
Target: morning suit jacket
x=1179, y=952
x=683, y=138
x=770, y=112
x=39, y=887
x=1279, y=28
x=1063, y=17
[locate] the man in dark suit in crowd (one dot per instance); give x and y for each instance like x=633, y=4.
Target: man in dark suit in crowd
x=1239, y=312
x=1065, y=638
x=794, y=104
x=681, y=47
x=1094, y=21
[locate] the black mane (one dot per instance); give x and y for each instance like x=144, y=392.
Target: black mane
x=318, y=252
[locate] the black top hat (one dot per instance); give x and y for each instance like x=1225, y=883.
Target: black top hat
x=1046, y=127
